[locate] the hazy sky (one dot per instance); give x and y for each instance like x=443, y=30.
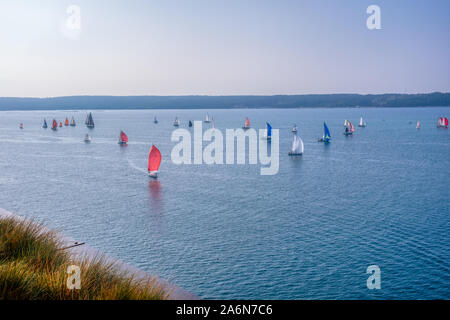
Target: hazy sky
x=228, y=47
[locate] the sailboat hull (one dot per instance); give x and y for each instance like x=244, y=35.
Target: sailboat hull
x=153, y=174
x=295, y=153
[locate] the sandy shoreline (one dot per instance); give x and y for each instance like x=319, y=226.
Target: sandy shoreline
x=84, y=250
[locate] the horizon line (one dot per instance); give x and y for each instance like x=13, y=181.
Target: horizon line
x=222, y=95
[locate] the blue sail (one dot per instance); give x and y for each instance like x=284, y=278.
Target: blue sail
x=269, y=130
x=326, y=133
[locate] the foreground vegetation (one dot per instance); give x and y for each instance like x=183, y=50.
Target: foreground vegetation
x=33, y=266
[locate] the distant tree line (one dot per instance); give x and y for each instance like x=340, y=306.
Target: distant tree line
x=227, y=102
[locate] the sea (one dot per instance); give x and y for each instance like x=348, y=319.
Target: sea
x=380, y=197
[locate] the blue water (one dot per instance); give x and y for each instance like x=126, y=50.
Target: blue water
x=224, y=231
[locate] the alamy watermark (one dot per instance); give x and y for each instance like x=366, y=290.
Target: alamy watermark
x=74, y=278
x=374, y=280
x=71, y=25
x=373, y=22
x=213, y=153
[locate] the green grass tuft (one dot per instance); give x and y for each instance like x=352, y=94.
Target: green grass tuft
x=33, y=267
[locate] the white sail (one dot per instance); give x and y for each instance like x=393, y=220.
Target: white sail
x=362, y=123
x=297, y=145
x=301, y=146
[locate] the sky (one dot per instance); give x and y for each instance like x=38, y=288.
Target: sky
x=222, y=47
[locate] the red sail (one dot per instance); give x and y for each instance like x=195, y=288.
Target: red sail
x=352, y=129
x=154, y=159
x=123, y=137
x=247, y=122
x=66, y=123
x=54, y=124
x=445, y=122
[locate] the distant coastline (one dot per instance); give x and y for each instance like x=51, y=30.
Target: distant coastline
x=435, y=99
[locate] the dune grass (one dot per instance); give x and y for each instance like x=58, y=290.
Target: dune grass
x=33, y=266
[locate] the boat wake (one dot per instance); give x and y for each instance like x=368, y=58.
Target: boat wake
x=132, y=165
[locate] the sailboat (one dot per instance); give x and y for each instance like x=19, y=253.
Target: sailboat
x=294, y=128
x=361, y=123
x=60, y=124
x=246, y=124
x=190, y=123
x=54, y=125
x=87, y=138
x=176, y=122
x=207, y=118
x=155, y=120
x=297, y=148
x=268, y=131
x=66, y=122
x=72, y=122
x=45, y=124
x=442, y=122
x=21, y=125
x=326, y=134
x=90, y=121
x=418, y=125
x=123, y=138
x=154, y=161
x=349, y=129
